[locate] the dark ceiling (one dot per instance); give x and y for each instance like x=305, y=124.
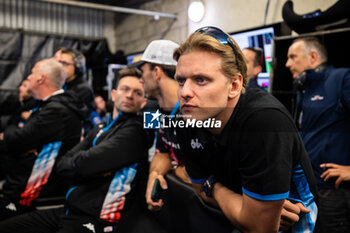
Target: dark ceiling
x=120, y=3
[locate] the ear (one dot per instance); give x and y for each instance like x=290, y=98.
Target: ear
x=113, y=94
x=158, y=72
x=314, y=57
x=143, y=103
x=257, y=70
x=236, y=85
x=43, y=77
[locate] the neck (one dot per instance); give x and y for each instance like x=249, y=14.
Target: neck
x=224, y=116
x=115, y=113
x=70, y=78
x=47, y=92
x=167, y=97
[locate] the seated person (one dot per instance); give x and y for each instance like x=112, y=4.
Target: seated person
x=100, y=114
x=34, y=149
x=107, y=166
x=17, y=108
x=73, y=63
x=250, y=158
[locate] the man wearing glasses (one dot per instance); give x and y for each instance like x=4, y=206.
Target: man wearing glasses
x=73, y=63
x=256, y=160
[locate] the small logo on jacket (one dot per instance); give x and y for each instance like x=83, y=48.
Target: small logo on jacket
x=317, y=98
x=108, y=229
x=11, y=207
x=195, y=144
x=151, y=120
x=90, y=226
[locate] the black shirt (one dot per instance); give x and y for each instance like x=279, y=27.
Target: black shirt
x=167, y=142
x=258, y=152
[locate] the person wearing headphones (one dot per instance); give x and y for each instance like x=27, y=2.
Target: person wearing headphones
x=323, y=103
x=73, y=63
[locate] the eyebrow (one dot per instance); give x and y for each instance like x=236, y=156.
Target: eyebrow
x=178, y=76
x=134, y=89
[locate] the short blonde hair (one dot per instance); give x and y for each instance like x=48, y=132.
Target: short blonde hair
x=203, y=42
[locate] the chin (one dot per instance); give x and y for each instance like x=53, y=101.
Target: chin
x=194, y=115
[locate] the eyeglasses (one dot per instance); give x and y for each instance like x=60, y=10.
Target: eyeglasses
x=64, y=63
x=223, y=38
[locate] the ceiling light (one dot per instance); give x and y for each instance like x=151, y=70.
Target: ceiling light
x=196, y=11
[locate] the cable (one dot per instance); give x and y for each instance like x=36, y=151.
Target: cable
x=266, y=11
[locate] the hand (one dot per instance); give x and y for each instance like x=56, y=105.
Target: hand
x=290, y=214
x=199, y=189
x=341, y=172
x=180, y=172
x=25, y=154
x=25, y=115
x=1, y=136
x=154, y=206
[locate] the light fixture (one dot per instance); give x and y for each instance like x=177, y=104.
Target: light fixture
x=196, y=11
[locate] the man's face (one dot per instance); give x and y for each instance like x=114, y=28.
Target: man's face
x=100, y=103
x=203, y=89
x=298, y=61
x=129, y=95
x=57, y=55
x=149, y=80
x=35, y=79
x=68, y=65
x=249, y=59
x=23, y=90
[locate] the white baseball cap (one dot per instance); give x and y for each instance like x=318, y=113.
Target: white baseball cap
x=159, y=52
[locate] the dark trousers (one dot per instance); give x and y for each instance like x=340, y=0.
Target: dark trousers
x=54, y=221
x=9, y=209
x=333, y=211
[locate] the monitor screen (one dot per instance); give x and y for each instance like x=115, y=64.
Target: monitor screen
x=135, y=57
x=260, y=38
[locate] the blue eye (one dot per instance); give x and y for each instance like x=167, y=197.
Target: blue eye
x=181, y=81
x=201, y=80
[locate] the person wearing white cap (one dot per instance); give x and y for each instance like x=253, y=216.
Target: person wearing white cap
x=158, y=69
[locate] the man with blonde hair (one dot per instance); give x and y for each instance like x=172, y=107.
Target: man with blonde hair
x=252, y=159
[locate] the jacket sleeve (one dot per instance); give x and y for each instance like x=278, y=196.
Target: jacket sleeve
x=126, y=146
x=346, y=90
x=43, y=127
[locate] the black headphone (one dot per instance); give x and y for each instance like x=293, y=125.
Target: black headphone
x=78, y=59
x=79, y=63
x=299, y=82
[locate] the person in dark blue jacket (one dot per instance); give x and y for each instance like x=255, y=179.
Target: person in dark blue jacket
x=324, y=120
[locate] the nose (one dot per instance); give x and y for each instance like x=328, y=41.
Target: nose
x=129, y=94
x=142, y=80
x=288, y=63
x=186, y=90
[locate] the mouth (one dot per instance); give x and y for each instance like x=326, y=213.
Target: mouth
x=188, y=107
x=127, y=104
